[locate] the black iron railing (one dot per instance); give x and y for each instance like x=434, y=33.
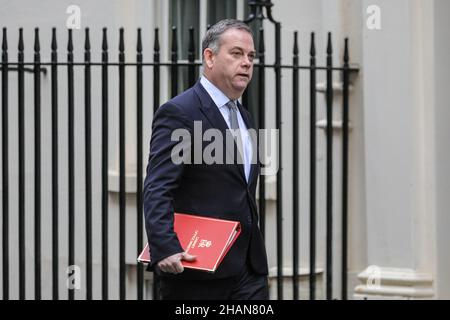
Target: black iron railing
x=39, y=70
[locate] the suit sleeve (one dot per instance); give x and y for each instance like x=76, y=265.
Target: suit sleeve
x=163, y=176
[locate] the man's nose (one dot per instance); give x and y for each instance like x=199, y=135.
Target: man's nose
x=246, y=62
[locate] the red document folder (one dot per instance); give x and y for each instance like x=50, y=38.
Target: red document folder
x=208, y=239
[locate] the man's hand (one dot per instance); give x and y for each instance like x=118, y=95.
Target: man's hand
x=173, y=264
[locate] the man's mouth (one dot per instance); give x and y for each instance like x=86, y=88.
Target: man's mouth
x=243, y=75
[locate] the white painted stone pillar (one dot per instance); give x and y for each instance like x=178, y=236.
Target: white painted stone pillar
x=397, y=94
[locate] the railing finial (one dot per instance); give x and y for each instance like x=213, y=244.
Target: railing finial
x=256, y=10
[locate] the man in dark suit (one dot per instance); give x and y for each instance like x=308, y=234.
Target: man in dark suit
x=224, y=189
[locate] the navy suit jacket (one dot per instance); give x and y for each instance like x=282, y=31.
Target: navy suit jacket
x=211, y=190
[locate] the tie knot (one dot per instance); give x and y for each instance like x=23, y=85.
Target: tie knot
x=231, y=105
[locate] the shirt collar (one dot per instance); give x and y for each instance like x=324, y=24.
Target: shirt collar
x=219, y=98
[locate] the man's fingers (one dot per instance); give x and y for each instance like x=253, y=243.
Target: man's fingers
x=162, y=268
x=178, y=267
x=166, y=265
x=166, y=268
x=174, y=267
x=173, y=263
x=187, y=257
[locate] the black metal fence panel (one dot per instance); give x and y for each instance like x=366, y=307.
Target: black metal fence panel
x=139, y=67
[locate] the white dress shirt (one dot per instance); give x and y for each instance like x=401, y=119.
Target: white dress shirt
x=220, y=99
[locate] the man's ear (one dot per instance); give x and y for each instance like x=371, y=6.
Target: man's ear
x=209, y=57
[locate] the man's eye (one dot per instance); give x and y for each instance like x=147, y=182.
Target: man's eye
x=236, y=53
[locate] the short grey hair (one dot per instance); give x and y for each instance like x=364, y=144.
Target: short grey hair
x=212, y=37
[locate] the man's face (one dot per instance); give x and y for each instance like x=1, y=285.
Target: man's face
x=231, y=69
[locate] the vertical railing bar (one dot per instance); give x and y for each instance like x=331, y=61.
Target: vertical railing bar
x=55, y=199
x=105, y=246
x=37, y=167
x=312, y=217
x=262, y=125
x=71, y=138
x=156, y=102
x=245, y=98
x=296, y=163
x=345, y=146
x=191, y=57
x=139, y=173
x=279, y=121
x=329, y=184
x=173, y=67
x=5, y=169
x=156, y=72
x=88, y=163
x=21, y=115
x=122, y=208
